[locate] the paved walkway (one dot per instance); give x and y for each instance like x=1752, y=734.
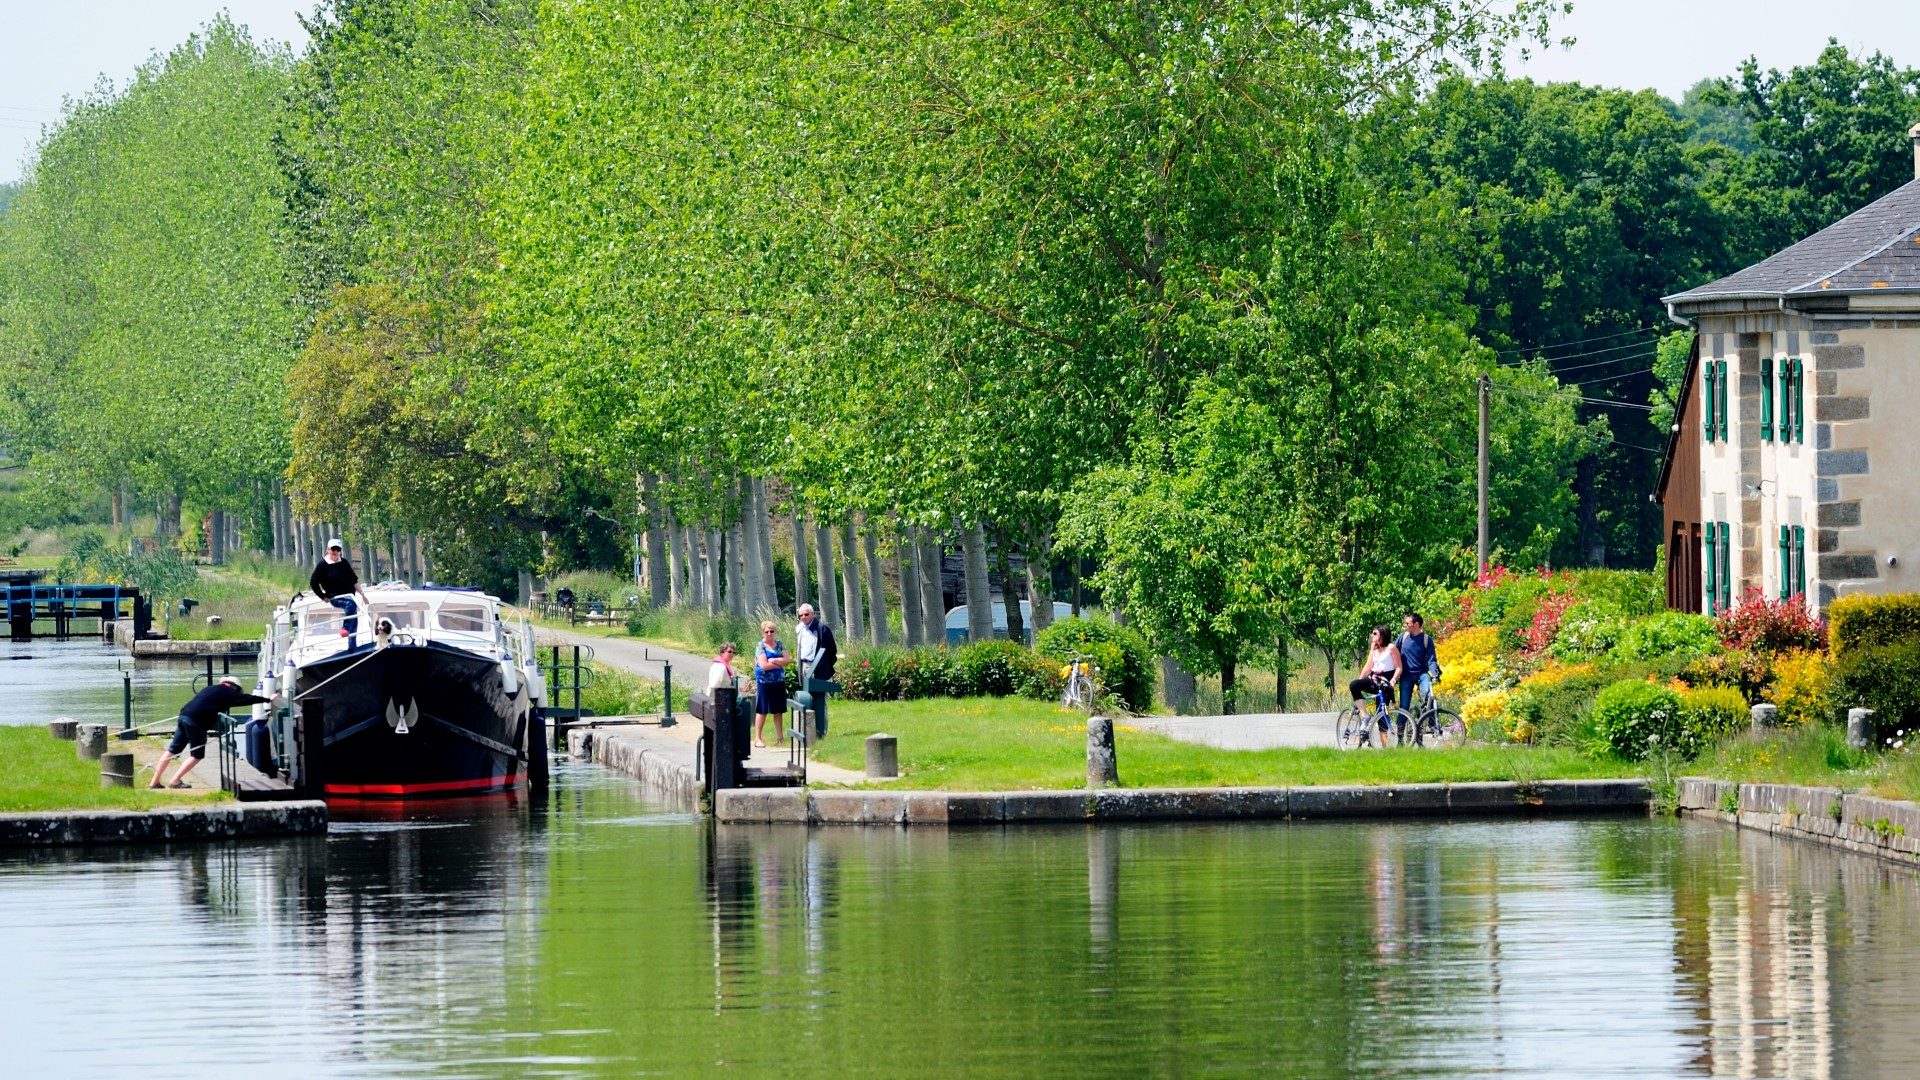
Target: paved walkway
x=690, y=674
x=1251, y=731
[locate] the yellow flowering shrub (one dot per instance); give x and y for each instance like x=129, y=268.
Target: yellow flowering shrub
x=1555, y=673
x=1474, y=641
x=1801, y=687
x=1467, y=660
x=1486, y=708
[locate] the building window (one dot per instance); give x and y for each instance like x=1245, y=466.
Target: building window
x=1799, y=560
x=1786, y=562
x=1766, y=399
x=1726, y=567
x=1716, y=558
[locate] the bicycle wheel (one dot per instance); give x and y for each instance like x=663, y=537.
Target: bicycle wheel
x=1352, y=727
x=1399, y=727
x=1444, y=728
x=1082, y=688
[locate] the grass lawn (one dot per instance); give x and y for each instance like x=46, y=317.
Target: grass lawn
x=1813, y=757
x=44, y=773
x=1006, y=744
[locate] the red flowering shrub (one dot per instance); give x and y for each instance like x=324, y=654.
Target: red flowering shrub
x=1540, y=633
x=1759, y=625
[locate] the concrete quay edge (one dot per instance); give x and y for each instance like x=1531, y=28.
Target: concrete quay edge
x=858, y=807
x=223, y=821
x=1863, y=824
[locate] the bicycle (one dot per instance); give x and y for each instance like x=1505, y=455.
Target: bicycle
x=1078, y=693
x=1357, y=725
x=1435, y=725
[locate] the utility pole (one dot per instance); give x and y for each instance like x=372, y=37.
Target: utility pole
x=1486, y=392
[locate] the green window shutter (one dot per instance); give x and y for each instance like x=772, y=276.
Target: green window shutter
x=1726, y=391
x=1710, y=562
x=1786, y=400
x=1799, y=560
x=1706, y=399
x=1786, y=563
x=1800, y=402
x=1766, y=399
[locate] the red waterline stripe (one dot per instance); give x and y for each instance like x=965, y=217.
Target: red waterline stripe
x=421, y=789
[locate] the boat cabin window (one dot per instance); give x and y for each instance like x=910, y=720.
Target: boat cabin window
x=403, y=616
x=471, y=618
x=320, y=623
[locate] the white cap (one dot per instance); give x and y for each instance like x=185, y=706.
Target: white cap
x=336, y=542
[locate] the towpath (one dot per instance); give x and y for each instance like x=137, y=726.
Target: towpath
x=1252, y=731
x=690, y=674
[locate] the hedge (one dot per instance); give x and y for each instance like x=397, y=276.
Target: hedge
x=1884, y=678
x=1121, y=653
x=1857, y=622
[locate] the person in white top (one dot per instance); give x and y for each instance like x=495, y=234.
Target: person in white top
x=721, y=675
x=806, y=643
x=1383, y=671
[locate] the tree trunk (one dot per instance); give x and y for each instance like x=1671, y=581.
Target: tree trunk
x=740, y=591
x=659, y=568
x=167, y=527
x=1040, y=581
x=119, y=507
x=690, y=540
x=1227, y=690
x=850, y=580
x=933, y=600
x=876, y=583
x=801, y=568
x=973, y=545
x=823, y=562
x=1280, y=674
x=1177, y=684
x=763, y=521
x=1009, y=590
x=747, y=555
x=217, y=537
x=716, y=571
x=906, y=561
x=676, y=561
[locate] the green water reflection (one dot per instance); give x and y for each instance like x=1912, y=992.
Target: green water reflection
x=603, y=936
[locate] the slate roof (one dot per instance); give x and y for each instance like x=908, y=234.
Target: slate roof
x=1874, y=249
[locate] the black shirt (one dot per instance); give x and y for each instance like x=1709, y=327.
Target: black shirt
x=216, y=699
x=331, y=579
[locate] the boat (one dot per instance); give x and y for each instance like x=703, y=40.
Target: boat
x=438, y=694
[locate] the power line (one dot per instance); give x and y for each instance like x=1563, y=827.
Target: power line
x=1610, y=378
x=1632, y=346
x=1542, y=350
x=1585, y=398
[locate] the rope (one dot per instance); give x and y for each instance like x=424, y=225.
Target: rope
x=335, y=675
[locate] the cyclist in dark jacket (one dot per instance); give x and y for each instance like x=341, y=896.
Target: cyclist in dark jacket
x=198, y=717
x=1417, y=657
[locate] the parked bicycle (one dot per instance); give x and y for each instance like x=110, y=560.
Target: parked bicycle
x=1371, y=722
x=1078, y=693
x=1435, y=725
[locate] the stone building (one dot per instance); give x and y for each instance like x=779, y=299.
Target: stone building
x=1794, y=466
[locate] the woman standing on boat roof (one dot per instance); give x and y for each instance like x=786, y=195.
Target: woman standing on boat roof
x=335, y=582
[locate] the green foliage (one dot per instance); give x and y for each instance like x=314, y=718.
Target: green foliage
x=1635, y=717
x=1859, y=621
x=1121, y=654
x=1751, y=672
x=160, y=572
x=1629, y=592
x=981, y=669
x=1710, y=713
x=1884, y=678
x=1589, y=628
x=610, y=691
x=1673, y=635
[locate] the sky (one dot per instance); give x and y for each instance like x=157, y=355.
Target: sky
x=49, y=50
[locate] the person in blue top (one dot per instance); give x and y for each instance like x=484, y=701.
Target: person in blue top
x=770, y=662
x=1417, y=659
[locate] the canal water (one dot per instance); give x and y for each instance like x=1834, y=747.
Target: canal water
x=600, y=934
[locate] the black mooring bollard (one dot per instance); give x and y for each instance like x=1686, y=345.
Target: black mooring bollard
x=126, y=701
x=666, y=706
